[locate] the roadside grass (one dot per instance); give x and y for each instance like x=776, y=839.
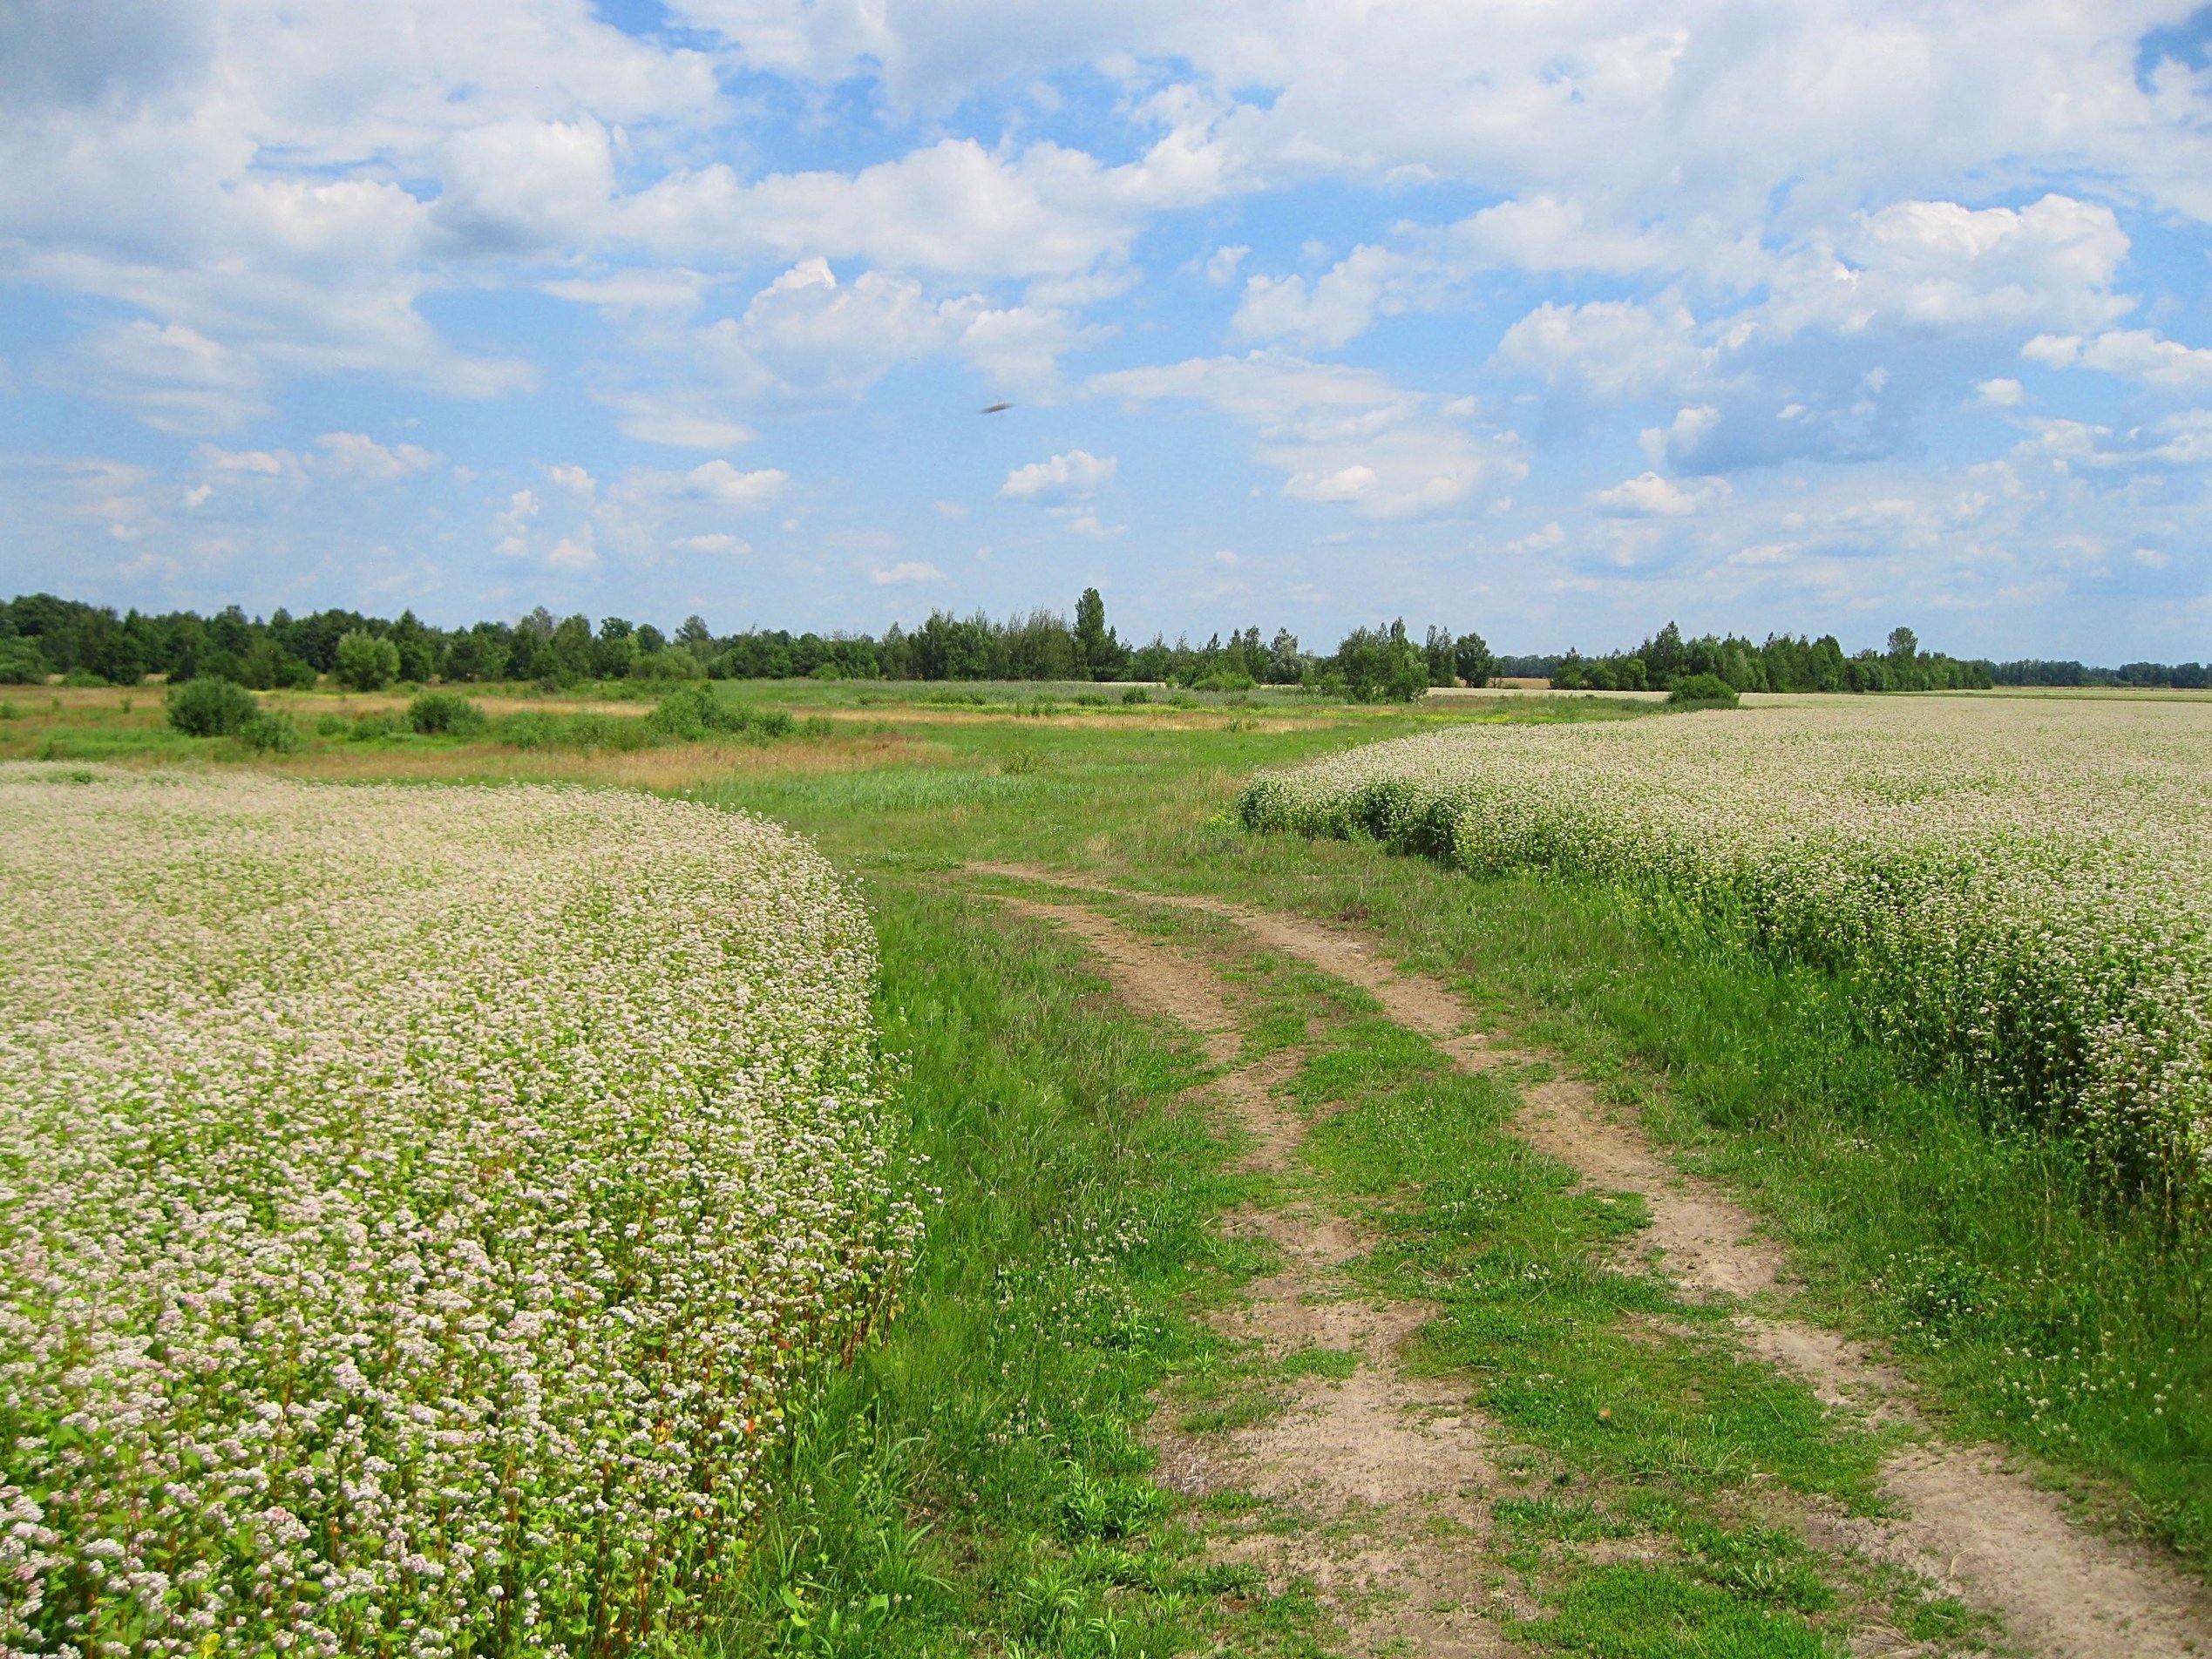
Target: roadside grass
x=2026, y=1312
x=975, y=1483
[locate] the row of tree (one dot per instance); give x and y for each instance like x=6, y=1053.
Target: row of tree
x=1783, y=663
x=42, y=635
x=2035, y=671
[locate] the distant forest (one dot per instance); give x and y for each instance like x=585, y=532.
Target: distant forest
x=41, y=635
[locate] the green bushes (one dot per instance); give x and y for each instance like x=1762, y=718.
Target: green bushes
x=269, y=731
x=1702, y=690
x=367, y=663
x=447, y=713
x=210, y=707
x=22, y=663
x=692, y=713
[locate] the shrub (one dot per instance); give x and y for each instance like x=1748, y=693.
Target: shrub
x=333, y=726
x=1137, y=695
x=270, y=731
x=667, y=665
x=445, y=711
x=367, y=663
x=84, y=678
x=1223, y=680
x=692, y=712
x=1702, y=690
x=210, y=707
x=22, y=663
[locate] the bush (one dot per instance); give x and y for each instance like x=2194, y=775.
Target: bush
x=366, y=662
x=693, y=712
x=270, y=731
x=1223, y=680
x=1702, y=690
x=666, y=665
x=1137, y=695
x=84, y=678
x=22, y=663
x=210, y=707
x=445, y=711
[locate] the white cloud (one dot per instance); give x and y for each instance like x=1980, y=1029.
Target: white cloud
x=1076, y=476
x=577, y=552
x=1342, y=435
x=356, y=455
x=2002, y=392
x=1650, y=496
x=906, y=570
x=522, y=187
x=1222, y=263
x=2133, y=354
x=676, y=426
x=722, y=484
x=1611, y=349
x=719, y=543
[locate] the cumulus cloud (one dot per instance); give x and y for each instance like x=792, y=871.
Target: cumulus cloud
x=1342, y=436
x=906, y=570
x=722, y=484
x=2133, y=354
x=356, y=455
x=1649, y=496
x=1076, y=476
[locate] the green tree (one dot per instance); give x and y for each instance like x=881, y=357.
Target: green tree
x=1472, y=659
x=1381, y=664
x=210, y=707
x=1094, y=650
x=366, y=661
x=1437, y=648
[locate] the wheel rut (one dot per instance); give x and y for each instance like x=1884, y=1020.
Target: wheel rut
x=1386, y=1474
x=1979, y=1528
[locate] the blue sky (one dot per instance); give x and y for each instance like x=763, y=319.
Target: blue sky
x=1552, y=320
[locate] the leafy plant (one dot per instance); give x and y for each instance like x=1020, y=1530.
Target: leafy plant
x=1702, y=690
x=269, y=731
x=210, y=707
x=446, y=712
x=367, y=661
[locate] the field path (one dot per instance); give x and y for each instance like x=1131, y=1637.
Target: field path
x=1387, y=1473
x=1979, y=1529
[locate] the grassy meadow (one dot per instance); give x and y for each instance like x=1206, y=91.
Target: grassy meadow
x=981, y=1479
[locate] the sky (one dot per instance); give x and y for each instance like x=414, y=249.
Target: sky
x=1553, y=319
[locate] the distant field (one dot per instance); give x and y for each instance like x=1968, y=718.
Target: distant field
x=2021, y=888
x=415, y=1206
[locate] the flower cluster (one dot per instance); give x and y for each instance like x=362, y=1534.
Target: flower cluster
x=2022, y=889
x=417, y=1208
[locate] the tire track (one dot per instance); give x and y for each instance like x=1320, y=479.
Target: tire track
x=1979, y=1528
x=1371, y=1462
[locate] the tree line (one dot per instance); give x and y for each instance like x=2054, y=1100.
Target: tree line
x=41, y=635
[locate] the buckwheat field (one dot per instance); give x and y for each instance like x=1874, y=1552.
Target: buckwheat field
x=416, y=1208
x=2019, y=888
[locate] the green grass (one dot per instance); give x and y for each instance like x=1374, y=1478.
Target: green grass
x=2025, y=1311
x=975, y=1483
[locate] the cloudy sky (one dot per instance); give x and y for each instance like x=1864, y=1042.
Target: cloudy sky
x=1552, y=318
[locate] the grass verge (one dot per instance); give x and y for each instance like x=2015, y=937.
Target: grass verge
x=975, y=1483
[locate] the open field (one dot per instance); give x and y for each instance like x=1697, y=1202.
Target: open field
x=1386, y=1260
x=417, y=1207
x=2022, y=890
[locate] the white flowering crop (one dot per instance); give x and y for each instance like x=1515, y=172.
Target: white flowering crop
x=2020, y=888
x=416, y=1206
